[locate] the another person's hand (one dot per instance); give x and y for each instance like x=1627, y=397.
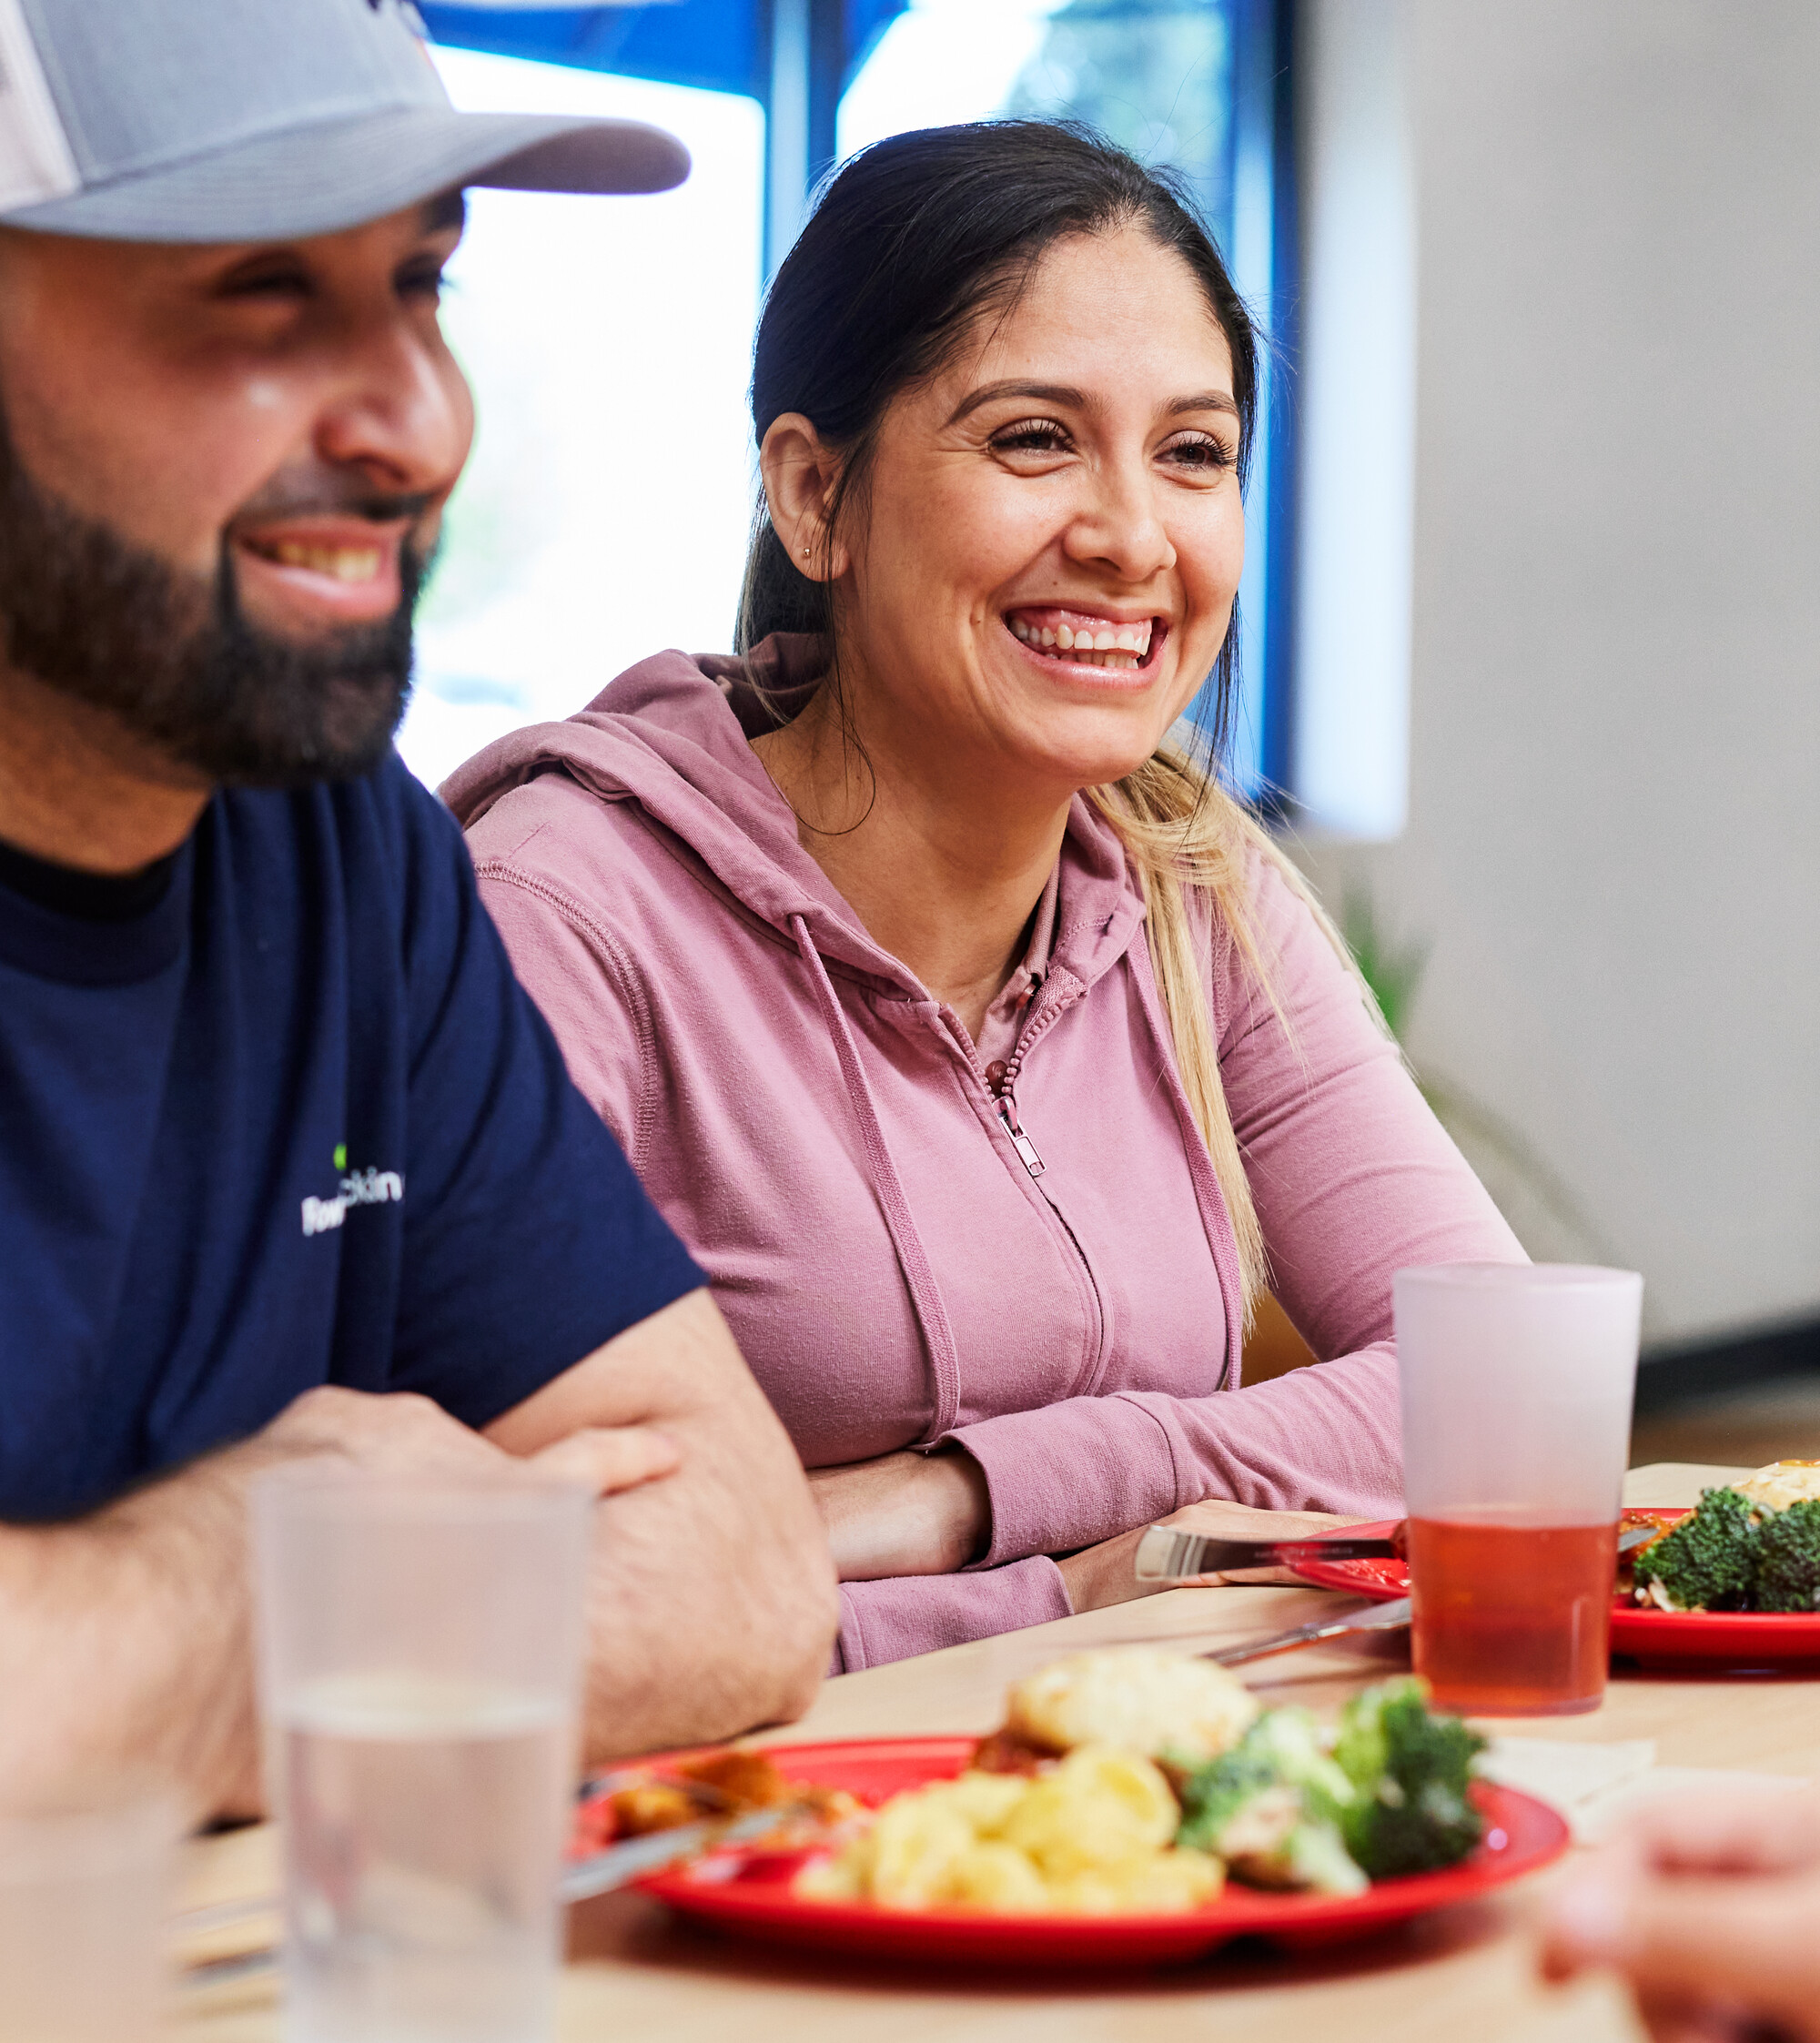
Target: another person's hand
x=1103, y=1575
x=904, y=1514
x=1711, y=1911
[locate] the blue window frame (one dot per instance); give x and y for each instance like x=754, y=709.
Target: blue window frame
x=1204, y=85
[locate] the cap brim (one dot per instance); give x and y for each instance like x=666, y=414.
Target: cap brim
x=341, y=174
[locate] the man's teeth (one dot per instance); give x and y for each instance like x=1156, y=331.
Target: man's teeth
x=1110, y=645
x=346, y=563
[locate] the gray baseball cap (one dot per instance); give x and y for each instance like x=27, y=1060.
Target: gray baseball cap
x=260, y=120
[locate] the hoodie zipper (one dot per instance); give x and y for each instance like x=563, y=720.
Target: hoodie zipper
x=1007, y=1107
x=1001, y=1083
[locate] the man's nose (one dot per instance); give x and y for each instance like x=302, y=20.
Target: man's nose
x=400, y=413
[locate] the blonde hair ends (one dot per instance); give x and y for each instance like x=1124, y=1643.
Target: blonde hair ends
x=1186, y=837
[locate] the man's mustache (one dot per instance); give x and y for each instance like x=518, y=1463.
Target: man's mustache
x=318, y=496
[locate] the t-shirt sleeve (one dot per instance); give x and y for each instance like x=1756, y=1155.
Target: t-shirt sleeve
x=529, y=1241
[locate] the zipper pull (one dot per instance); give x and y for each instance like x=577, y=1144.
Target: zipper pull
x=1025, y=1149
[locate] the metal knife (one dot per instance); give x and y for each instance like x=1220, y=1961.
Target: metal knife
x=1367, y=1617
x=1167, y=1553
x=600, y=1873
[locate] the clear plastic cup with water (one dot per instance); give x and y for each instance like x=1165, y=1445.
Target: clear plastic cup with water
x=421, y=1677
x=85, y=1884
x=1517, y=1385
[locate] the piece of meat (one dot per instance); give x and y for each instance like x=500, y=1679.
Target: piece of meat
x=748, y=1780
x=654, y=1805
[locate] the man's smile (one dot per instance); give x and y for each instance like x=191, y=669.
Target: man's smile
x=312, y=573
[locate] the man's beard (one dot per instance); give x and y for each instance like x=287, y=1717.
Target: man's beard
x=175, y=658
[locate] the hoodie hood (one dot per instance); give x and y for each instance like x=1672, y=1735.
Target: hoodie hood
x=673, y=735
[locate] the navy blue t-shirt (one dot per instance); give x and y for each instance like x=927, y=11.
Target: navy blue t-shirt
x=294, y=1123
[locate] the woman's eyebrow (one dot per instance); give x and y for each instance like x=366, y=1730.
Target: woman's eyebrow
x=1045, y=393
x=1066, y=394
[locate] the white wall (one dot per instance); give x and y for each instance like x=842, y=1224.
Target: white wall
x=1613, y=836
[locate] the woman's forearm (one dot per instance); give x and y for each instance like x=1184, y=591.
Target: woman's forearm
x=1070, y=1475
x=905, y=1514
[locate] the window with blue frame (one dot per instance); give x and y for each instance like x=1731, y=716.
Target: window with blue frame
x=609, y=339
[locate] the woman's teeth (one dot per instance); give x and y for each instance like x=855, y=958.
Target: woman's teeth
x=1107, y=645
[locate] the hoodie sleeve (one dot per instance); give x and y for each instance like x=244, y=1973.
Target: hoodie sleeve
x=1354, y=1179
x=891, y=1620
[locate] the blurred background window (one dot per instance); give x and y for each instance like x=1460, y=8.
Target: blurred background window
x=605, y=513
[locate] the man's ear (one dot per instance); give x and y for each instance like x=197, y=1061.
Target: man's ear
x=800, y=477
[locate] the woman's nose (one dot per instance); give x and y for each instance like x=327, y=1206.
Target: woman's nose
x=1121, y=526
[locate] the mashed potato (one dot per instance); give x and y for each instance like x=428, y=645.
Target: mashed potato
x=1781, y=1483
x=1092, y=1837
x=1139, y=1699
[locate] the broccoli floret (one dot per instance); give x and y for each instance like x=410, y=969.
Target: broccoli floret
x=1788, y=1558
x=1290, y=1740
x=1271, y=1807
x=1707, y=1562
x=1409, y=1772
x=1214, y=1793
x=1319, y=1862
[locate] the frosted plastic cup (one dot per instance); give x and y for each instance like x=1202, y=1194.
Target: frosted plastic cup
x=1517, y=1385
x=421, y=1673
x=85, y=1917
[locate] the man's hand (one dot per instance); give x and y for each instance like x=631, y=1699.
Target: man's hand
x=1103, y=1575
x=127, y=1637
x=904, y=1514
x=713, y=1604
x=406, y=1435
x=1711, y=1911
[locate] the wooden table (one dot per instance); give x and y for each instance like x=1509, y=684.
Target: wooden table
x=1464, y=1975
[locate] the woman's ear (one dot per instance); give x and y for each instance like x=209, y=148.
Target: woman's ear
x=800, y=476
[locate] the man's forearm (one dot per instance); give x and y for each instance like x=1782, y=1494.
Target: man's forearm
x=125, y=1640
x=713, y=1604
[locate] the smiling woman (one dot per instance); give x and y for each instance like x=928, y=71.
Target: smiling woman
x=979, y=1045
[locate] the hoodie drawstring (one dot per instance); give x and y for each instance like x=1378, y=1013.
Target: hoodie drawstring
x=1215, y=1220
x=925, y=1298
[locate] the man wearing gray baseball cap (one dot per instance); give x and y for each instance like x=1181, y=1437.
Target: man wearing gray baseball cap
x=288, y=1163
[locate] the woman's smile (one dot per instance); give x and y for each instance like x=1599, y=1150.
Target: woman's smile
x=1088, y=646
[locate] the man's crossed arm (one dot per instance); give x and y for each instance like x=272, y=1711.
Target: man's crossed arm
x=126, y=1637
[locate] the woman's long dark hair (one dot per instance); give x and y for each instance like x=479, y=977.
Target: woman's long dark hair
x=912, y=243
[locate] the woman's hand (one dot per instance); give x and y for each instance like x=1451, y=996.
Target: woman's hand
x=905, y=1514
x=1711, y=1911
x=1103, y=1575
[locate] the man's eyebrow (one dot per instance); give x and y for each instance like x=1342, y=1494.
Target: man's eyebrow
x=447, y=210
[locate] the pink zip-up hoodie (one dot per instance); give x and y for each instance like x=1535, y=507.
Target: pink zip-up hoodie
x=901, y=1268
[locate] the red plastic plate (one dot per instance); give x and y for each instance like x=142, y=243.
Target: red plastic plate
x=747, y=1891
x=1658, y=1638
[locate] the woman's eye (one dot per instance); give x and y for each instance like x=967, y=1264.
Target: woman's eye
x=1033, y=436
x=1200, y=451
